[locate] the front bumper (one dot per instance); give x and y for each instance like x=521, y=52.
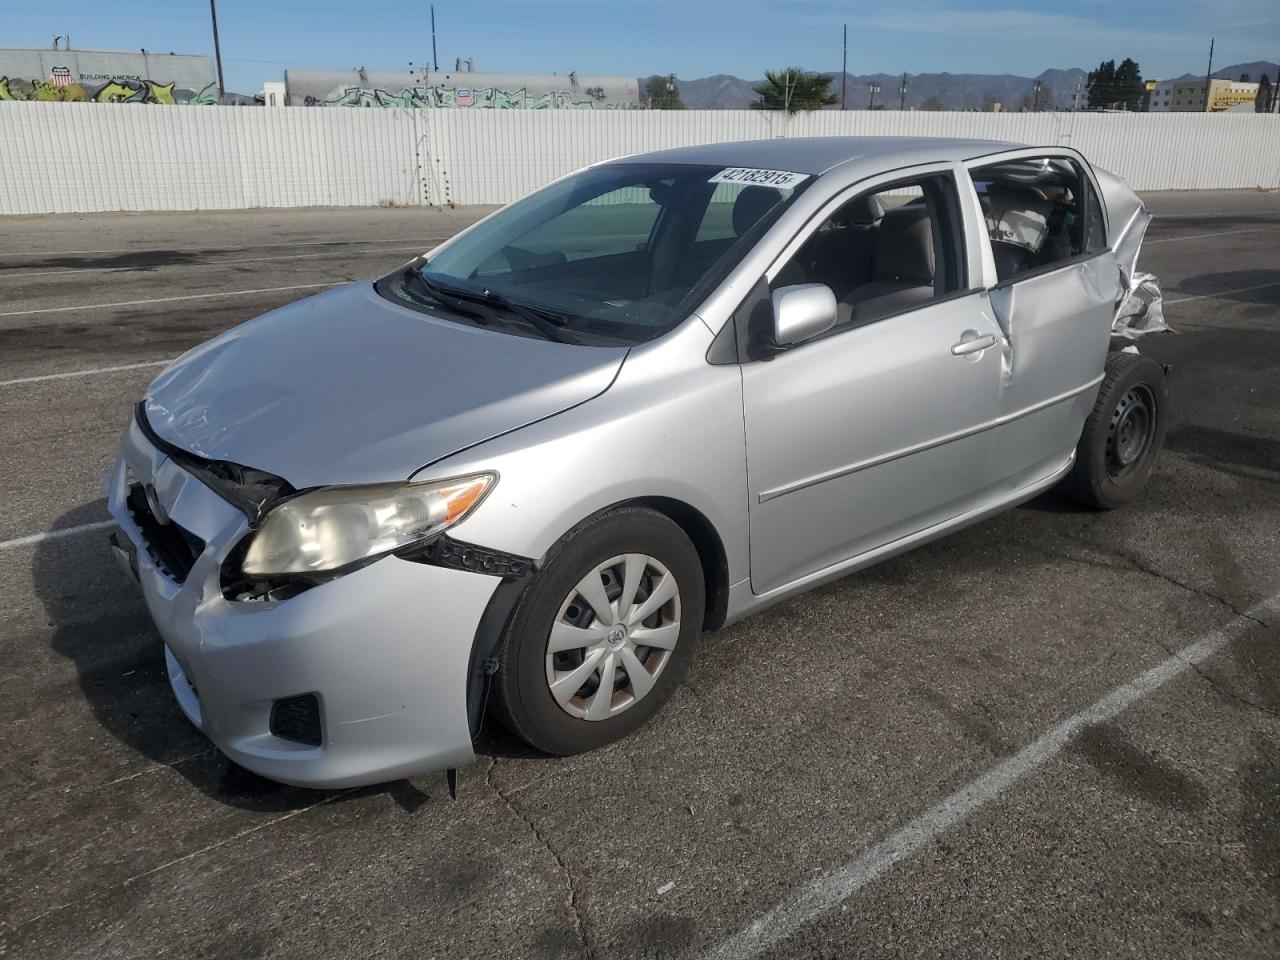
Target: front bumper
x=385, y=650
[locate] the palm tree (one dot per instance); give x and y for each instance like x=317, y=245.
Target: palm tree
x=793, y=89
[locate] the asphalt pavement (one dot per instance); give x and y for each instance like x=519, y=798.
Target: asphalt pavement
x=1056, y=733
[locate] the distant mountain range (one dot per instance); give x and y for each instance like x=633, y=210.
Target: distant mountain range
x=956, y=91
x=1255, y=69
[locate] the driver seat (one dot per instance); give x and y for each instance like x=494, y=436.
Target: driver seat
x=902, y=264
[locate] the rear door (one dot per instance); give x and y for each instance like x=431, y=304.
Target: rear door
x=874, y=430
x=1053, y=286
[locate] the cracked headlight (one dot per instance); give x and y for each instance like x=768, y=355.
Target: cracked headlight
x=332, y=528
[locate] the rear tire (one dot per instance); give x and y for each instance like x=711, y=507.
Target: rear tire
x=545, y=690
x=1123, y=434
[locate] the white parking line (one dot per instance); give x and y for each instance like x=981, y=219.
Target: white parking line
x=1206, y=236
x=192, y=296
x=207, y=263
x=54, y=535
x=84, y=373
x=831, y=889
x=1224, y=293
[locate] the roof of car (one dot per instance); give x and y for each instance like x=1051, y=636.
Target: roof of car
x=817, y=155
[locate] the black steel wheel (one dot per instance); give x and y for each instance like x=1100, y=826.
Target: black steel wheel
x=1122, y=435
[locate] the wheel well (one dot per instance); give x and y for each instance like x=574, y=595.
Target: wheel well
x=715, y=566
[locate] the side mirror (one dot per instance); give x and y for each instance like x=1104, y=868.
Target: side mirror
x=801, y=312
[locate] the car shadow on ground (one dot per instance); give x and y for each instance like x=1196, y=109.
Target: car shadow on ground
x=100, y=623
x=1242, y=286
x=1239, y=454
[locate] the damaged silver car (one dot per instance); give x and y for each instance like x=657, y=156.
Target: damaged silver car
x=524, y=472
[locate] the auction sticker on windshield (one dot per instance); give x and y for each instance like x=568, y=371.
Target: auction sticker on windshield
x=764, y=178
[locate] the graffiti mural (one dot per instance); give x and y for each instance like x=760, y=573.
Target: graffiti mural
x=444, y=97
x=108, y=90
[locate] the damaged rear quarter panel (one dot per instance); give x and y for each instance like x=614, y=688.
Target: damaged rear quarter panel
x=1140, y=304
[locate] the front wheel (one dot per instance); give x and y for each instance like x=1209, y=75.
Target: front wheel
x=1123, y=434
x=602, y=637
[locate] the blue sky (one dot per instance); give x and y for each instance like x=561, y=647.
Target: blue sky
x=692, y=38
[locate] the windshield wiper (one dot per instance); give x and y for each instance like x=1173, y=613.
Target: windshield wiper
x=547, y=322
x=435, y=294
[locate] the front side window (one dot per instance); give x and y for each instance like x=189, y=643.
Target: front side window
x=1035, y=212
x=885, y=251
x=618, y=253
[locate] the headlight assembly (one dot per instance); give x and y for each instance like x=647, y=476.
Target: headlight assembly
x=332, y=528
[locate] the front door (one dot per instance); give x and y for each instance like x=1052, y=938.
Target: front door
x=875, y=430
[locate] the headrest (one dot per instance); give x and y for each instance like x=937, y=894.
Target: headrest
x=1008, y=194
x=904, y=246
x=865, y=210
x=752, y=204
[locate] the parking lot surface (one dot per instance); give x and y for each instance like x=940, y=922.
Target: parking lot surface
x=1056, y=733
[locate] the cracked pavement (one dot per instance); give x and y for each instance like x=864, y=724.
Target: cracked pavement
x=803, y=737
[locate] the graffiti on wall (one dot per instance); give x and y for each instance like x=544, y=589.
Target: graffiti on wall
x=60, y=87
x=451, y=98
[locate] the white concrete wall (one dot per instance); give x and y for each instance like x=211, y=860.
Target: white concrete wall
x=74, y=157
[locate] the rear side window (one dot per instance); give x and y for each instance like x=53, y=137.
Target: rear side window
x=1039, y=212
x=1095, y=224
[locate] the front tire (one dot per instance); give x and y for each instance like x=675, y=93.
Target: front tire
x=603, y=635
x=1123, y=434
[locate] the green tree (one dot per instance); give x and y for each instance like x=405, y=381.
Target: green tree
x=793, y=89
x=662, y=93
x=1129, y=86
x=1102, y=85
x=931, y=103
x=1116, y=88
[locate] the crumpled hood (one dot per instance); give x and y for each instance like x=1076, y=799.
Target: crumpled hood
x=347, y=387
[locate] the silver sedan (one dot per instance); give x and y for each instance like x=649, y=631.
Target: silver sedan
x=528, y=469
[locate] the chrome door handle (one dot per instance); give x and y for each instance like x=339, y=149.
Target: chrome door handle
x=975, y=345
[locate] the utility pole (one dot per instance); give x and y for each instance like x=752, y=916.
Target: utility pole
x=217, y=50
x=902, y=101
x=871, y=101
x=1035, y=103
x=844, y=66
x=435, y=63
x=1208, y=77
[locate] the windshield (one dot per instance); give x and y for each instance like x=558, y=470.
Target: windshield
x=618, y=253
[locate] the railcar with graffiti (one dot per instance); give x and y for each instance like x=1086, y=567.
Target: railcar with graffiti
x=103, y=76
x=460, y=90
x=121, y=90
x=451, y=98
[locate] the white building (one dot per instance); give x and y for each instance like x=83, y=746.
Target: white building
x=1183, y=96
